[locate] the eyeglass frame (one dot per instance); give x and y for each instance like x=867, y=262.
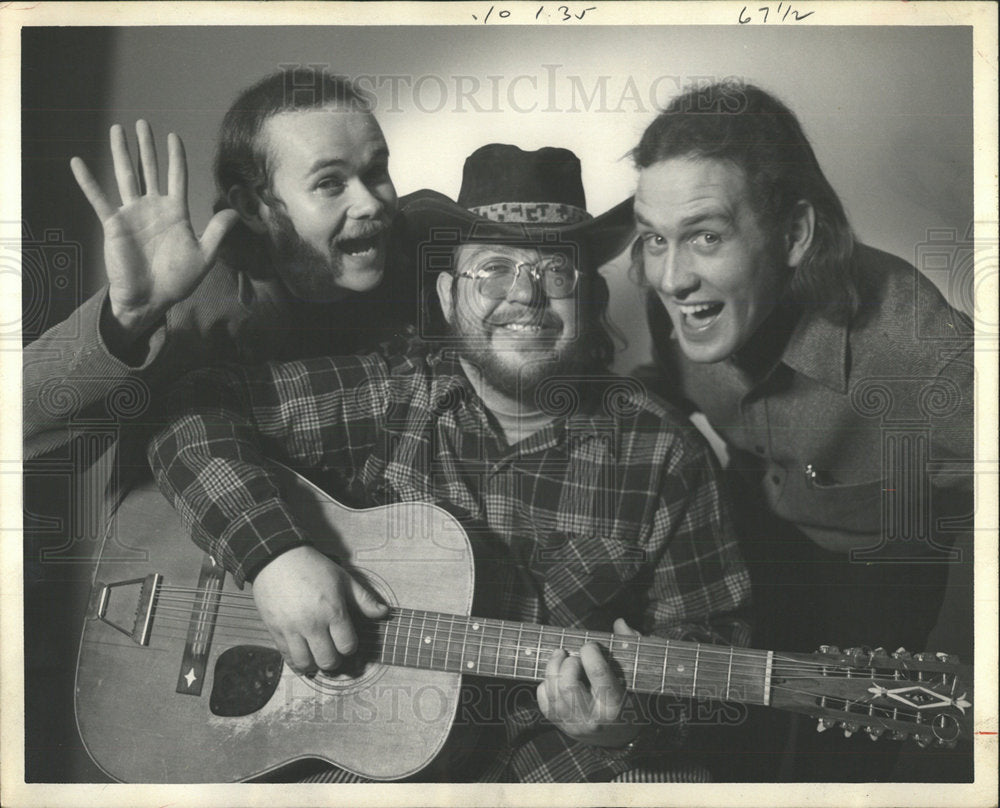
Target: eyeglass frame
x=534, y=269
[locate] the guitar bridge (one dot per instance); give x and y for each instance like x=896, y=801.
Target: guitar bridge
x=145, y=605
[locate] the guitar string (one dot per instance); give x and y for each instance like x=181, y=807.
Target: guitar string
x=499, y=625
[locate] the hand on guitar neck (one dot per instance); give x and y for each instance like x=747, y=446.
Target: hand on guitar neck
x=306, y=601
x=582, y=695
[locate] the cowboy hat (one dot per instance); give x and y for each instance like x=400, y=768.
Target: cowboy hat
x=525, y=197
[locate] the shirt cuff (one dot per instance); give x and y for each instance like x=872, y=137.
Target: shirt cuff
x=258, y=537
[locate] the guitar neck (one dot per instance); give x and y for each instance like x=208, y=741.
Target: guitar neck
x=510, y=650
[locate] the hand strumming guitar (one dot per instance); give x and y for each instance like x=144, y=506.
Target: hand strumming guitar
x=152, y=255
x=584, y=698
x=306, y=600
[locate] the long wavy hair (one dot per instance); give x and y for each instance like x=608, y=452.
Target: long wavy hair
x=751, y=129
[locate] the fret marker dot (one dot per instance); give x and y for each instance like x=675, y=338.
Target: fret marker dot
x=624, y=645
x=475, y=626
x=680, y=669
x=427, y=640
x=469, y=665
x=527, y=652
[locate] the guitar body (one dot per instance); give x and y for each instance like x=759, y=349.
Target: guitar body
x=148, y=712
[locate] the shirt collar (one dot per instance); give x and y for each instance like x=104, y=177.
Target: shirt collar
x=817, y=348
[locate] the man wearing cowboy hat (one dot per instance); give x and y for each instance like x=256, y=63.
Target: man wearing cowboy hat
x=585, y=502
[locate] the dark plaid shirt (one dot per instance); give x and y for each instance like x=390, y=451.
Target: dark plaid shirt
x=613, y=509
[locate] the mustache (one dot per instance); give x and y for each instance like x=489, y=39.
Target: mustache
x=543, y=319
x=367, y=230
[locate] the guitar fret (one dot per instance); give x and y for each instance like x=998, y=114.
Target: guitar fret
x=496, y=666
x=479, y=654
x=395, y=639
x=635, y=665
x=729, y=673
x=663, y=678
x=423, y=639
x=694, y=679
x=465, y=637
x=538, y=651
x=517, y=651
x=447, y=646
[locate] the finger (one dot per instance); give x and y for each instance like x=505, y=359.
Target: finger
x=543, y=699
x=574, y=695
x=95, y=196
x=551, y=681
x=299, y=658
x=128, y=188
x=343, y=634
x=324, y=653
x=367, y=603
x=220, y=224
x=606, y=690
x=176, y=168
x=621, y=627
x=147, y=156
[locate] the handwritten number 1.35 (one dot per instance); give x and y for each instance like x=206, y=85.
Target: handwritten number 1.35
x=796, y=15
x=564, y=14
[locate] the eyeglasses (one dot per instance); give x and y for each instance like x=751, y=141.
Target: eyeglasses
x=496, y=277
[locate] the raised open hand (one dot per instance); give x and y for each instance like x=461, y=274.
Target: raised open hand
x=152, y=255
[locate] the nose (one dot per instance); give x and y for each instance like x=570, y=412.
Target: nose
x=527, y=289
x=671, y=274
x=365, y=203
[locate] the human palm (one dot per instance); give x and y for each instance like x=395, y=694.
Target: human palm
x=152, y=255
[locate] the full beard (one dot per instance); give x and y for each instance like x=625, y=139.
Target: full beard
x=521, y=380
x=308, y=273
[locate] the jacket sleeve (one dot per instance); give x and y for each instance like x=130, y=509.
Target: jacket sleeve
x=70, y=374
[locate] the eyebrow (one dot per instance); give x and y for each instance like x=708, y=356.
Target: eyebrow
x=339, y=162
x=688, y=221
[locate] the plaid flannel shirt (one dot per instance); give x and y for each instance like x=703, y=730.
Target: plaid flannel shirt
x=613, y=509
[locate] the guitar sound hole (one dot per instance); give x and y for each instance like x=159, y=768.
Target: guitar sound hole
x=246, y=677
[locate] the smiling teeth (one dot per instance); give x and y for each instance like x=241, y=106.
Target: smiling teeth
x=522, y=327
x=695, y=308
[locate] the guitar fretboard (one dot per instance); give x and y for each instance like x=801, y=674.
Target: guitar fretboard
x=510, y=650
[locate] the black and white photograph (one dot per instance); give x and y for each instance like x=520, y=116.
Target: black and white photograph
x=492, y=403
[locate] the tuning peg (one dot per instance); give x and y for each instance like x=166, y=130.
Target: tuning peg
x=860, y=655
x=898, y=735
x=880, y=652
x=948, y=744
x=943, y=657
x=874, y=732
x=901, y=653
x=923, y=741
x=829, y=649
x=850, y=727
x=923, y=656
x=825, y=724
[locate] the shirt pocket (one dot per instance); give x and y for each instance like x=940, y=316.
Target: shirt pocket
x=582, y=573
x=854, y=507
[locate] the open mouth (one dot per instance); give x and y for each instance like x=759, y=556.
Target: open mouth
x=700, y=316
x=360, y=247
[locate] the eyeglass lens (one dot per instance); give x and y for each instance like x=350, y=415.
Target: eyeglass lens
x=558, y=277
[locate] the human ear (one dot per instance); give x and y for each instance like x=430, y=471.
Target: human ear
x=799, y=236
x=250, y=207
x=444, y=287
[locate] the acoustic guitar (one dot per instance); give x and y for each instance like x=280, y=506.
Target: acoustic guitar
x=178, y=681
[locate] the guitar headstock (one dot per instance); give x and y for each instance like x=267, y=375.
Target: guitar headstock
x=927, y=696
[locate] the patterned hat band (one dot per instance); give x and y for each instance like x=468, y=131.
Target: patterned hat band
x=532, y=213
